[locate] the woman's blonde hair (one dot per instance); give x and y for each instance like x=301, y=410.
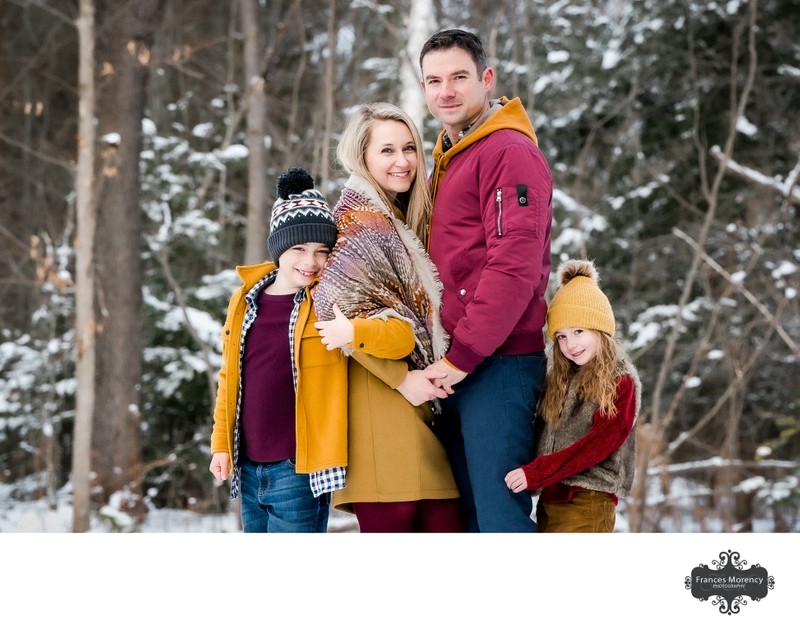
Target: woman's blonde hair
x=597, y=380
x=414, y=204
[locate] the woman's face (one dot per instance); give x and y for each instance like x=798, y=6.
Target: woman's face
x=391, y=157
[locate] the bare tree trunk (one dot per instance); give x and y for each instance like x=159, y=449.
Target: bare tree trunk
x=116, y=440
x=324, y=138
x=84, y=273
x=726, y=495
x=300, y=70
x=420, y=26
x=255, y=245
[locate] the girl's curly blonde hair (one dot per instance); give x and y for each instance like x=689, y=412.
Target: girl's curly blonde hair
x=596, y=381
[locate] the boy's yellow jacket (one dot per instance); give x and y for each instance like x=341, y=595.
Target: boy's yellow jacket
x=321, y=395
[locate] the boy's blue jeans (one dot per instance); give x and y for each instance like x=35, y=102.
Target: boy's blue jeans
x=486, y=426
x=274, y=498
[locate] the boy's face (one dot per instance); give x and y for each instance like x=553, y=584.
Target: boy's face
x=299, y=265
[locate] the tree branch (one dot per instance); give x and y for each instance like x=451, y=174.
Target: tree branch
x=785, y=189
x=70, y=168
x=770, y=317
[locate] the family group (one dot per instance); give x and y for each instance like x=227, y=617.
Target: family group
x=392, y=359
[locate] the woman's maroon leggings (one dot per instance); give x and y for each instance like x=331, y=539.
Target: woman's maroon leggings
x=418, y=516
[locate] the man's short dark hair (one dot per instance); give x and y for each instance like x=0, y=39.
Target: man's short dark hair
x=456, y=38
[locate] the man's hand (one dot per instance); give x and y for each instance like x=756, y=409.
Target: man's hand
x=451, y=378
x=337, y=332
x=417, y=387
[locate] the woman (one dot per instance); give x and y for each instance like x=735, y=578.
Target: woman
x=378, y=300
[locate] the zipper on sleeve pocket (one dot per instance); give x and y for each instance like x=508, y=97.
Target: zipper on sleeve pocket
x=499, y=199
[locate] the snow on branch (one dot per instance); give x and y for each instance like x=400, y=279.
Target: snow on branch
x=786, y=189
x=720, y=463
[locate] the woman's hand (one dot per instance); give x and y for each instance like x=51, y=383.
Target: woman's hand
x=337, y=332
x=445, y=376
x=418, y=388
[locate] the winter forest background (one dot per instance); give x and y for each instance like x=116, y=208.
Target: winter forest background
x=139, y=145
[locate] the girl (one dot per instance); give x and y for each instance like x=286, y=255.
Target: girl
x=378, y=299
x=586, y=450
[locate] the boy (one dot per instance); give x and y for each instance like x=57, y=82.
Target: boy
x=280, y=415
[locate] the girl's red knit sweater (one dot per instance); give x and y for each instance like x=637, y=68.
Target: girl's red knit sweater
x=607, y=434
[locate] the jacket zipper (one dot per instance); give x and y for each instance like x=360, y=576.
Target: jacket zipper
x=434, y=189
x=499, y=200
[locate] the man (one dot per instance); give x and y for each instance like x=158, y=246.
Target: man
x=490, y=239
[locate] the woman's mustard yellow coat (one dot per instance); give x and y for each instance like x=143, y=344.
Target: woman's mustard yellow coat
x=321, y=396
x=393, y=455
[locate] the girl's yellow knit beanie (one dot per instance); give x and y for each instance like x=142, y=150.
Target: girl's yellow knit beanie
x=579, y=303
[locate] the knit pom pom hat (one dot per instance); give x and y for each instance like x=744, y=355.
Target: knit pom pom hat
x=579, y=303
x=299, y=215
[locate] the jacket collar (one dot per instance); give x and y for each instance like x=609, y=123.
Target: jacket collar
x=502, y=114
x=251, y=274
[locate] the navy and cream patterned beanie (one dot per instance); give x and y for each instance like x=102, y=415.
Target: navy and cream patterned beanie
x=299, y=215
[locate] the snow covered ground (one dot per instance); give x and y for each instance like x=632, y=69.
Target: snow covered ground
x=688, y=514
x=39, y=517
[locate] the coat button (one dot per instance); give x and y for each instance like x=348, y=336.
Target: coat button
x=463, y=292
x=523, y=201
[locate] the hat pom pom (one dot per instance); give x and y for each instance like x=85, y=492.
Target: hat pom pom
x=577, y=267
x=293, y=182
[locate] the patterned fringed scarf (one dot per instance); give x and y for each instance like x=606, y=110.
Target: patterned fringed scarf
x=379, y=268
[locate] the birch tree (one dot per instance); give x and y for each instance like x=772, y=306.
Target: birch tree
x=323, y=161
x=85, y=321
x=256, y=239
x=420, y=26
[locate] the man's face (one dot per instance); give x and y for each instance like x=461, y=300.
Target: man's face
x=454, y=90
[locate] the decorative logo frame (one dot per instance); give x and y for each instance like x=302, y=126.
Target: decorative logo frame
x=729, y=583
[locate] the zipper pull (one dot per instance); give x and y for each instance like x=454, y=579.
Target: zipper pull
x=499, y=199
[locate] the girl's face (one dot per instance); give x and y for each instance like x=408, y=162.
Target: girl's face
x=298, y=266
x=391, y=157
x=578, y=345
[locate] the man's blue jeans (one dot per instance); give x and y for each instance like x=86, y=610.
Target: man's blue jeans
x=277, y=499
x=486, y=427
